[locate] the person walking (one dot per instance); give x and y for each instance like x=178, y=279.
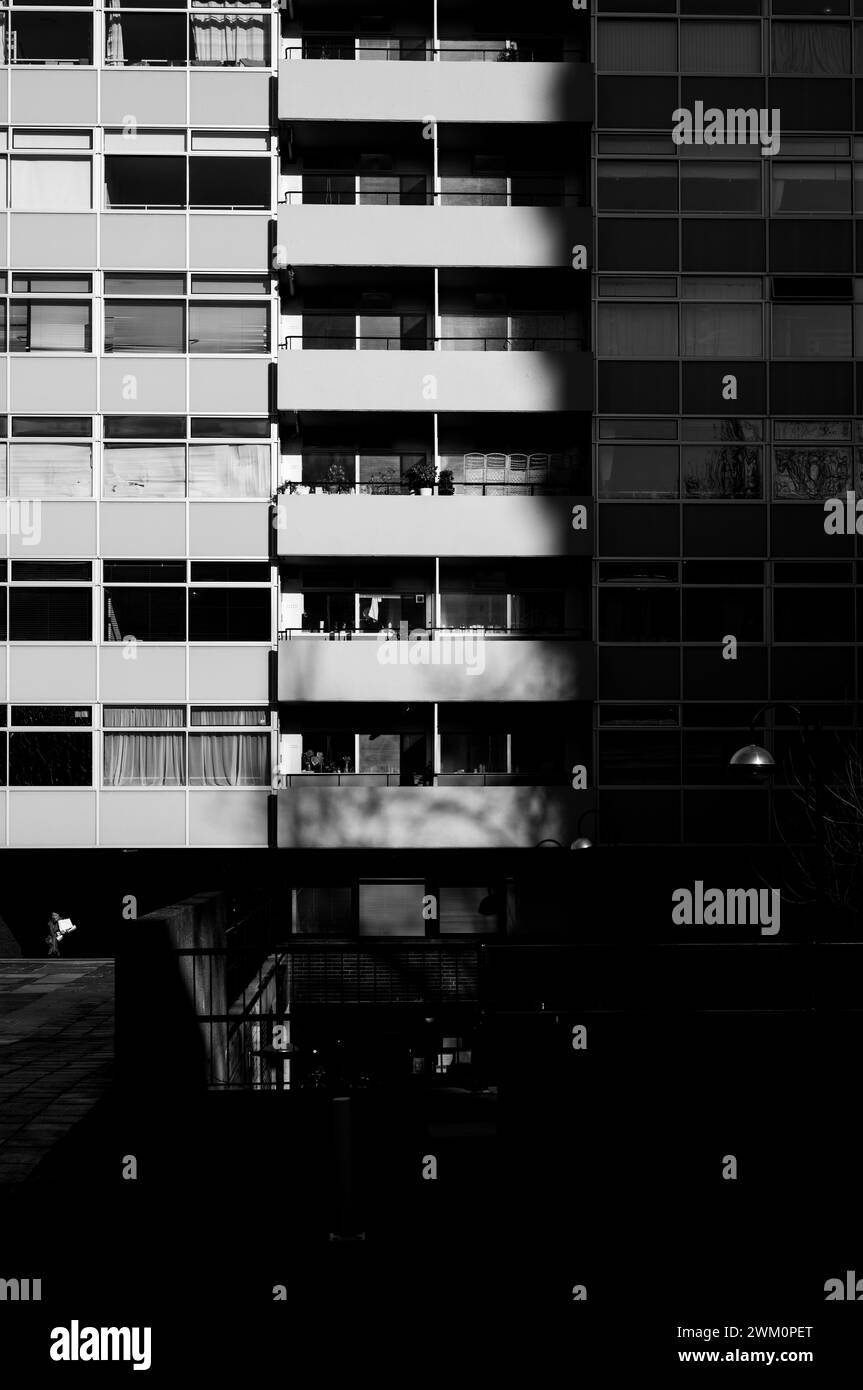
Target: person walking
x=54, y=934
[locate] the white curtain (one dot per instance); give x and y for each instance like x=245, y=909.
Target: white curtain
x=229, y=760
x=221, y=717
x=722, y=330
x=114, y=38
x=144, y=760
x=229, y=470
x=637, y=45
x=230, y=39
x=637, y=330
x=143, y=716
x=811, y=48
x=717, y=46
x=50, y=470
x=51, y=185
x=144, y=470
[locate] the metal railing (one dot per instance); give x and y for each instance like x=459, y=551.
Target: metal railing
x=395, y=489
x=359, y=343
x=284, y=781
x=435, y=634
x=349, y=48
x=483, y=192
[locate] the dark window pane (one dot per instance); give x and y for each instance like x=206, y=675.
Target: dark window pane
x=627, y=244
x=638, y=386
x=50, y=760
x=145, y=426
x=702, y=387
x=811, y=103
x=636, y=103
x=826, y=387
x=149, y=615
x=50, y=615
x=711, y=614
x=802, y=616
x=230, y=571
x=630, y=673
x=229, y=615
x=710, y=529
x=629, y=186
x=811, y=247
x=52, y=715
x=817, y=48
x=639, y=615
x=230, y=428
x=53, y=426
x=639, y=528
x=639, y=758
x=62, y=570
x=144, y=571
x=723, y=245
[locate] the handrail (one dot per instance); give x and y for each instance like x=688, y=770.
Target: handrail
x=283, y=781
x=302, y=341
x=475, y=633
x=344, y=48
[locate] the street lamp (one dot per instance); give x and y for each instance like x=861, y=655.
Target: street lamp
x=761, y=763
x=583, y=841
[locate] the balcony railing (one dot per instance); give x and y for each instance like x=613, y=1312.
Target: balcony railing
x=472, y=632
x=345, y=188
x=374, y=342
x=286, y=781
x=472, y=474
x=412, y=49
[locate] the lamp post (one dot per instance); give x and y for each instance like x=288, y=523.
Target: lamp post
x=760, y=761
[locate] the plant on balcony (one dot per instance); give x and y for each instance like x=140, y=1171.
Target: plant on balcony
x=337, y=479
x=422, y=476
x=445, y=484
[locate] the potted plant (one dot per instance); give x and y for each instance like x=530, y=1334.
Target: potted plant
x=445, y=485
x=337, y=478
x=422, y=476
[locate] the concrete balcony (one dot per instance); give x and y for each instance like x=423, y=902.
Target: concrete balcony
x=349, y=525
x=367, y=381
x=497, y=93
x=452, y=668
x=516, y=238
x=427, y=817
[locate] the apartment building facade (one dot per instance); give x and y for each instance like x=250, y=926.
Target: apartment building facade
x=727, y=313
x=262, y=587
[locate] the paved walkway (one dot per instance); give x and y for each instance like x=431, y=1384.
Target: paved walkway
x=56, y=1053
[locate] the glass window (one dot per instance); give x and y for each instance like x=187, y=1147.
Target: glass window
x=223, y=716
x=51, y=185
x=728, y=470
x=229, y=470
x=145, y=284
x=134, y=325
x=56, y=39
x=144, y=426
x=218, y=182
x=49, y=326
x=721, y=287
x=50, y=613
x=637, y=186
x=720, y=187
x=52, y=426
x=229, y=39
x=51, y=716
x=628, y=287
x=230, y=284
x=722, y=330
x=148, y=614
x=636, y=45
x=154, y=471
x=811, y=473
x=637, y=330
x=50, y=470
x=229, y=760
x=229, y=328
x=50, y=760
x=143, y=716
x=818, y=48
x=52, y=140
x=708, y=45
x=392, y=909
x=822, y=187
x=132, y=39
x=640, y=470
x=229, y=615
x=811, y=330
x=145, y=181
x=144, y=760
